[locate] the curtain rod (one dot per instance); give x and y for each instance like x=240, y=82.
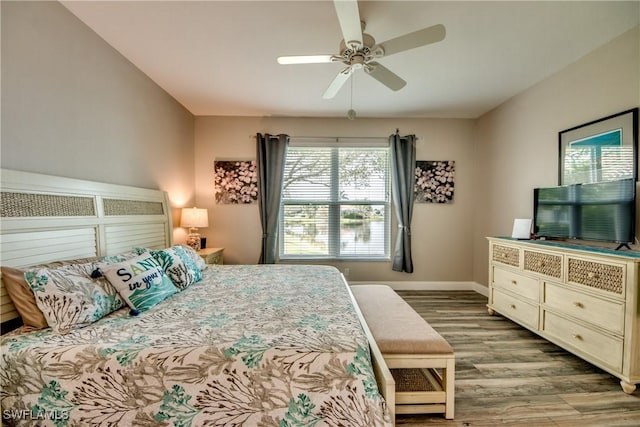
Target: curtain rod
x=338, y=138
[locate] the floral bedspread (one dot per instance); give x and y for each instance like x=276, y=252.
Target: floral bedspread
x=247, y=346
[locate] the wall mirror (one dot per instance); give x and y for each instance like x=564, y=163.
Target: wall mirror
x=603, y=150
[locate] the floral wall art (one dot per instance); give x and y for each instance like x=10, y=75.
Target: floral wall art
x=434, y=181
x=236, y=182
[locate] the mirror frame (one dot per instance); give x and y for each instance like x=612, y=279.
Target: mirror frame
x=622, y=126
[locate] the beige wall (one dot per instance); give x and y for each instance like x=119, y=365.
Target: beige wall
x=500, y=158
x=517, y=143
x=73, y=106
x=441, y=233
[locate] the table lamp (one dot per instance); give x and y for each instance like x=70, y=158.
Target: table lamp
x=194, y=218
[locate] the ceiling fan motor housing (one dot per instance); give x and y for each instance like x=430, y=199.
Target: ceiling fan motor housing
x=361, y=54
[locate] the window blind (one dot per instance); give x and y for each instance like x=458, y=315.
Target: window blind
x=335, y=203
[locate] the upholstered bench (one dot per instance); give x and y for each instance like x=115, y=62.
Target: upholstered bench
x=421, y=361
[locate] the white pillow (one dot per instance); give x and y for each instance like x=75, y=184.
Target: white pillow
x=140, y=281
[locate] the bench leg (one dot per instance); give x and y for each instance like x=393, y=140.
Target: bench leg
x=449, y=387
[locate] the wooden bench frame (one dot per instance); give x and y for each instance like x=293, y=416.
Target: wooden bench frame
x=439, y=400
x=384, y=378
x=438, y=370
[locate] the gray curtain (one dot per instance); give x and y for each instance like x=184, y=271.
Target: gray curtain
x=271, y=155
x=403, y=166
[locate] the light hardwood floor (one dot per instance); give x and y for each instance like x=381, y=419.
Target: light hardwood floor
x=508, y=376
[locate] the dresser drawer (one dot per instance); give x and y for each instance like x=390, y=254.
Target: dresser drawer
x=543, y=263
x=596, y=345
x=506, y=255
x=516, y=309
x=597, y=275
x=524, y=286
x=603, y=313
x=584, y=299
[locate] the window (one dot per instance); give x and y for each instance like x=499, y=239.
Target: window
x=335, y=203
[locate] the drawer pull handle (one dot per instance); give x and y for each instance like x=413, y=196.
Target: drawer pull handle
x=592, y=275
x=514, y=282
x=578, y=304
x=540, y=264
x=578, y=337
x=513, y=306
x=503, y=255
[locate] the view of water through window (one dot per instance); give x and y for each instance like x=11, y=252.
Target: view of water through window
x=335, y=203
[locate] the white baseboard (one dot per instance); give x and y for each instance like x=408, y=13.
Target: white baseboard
x=429, y=286
x=481, y=289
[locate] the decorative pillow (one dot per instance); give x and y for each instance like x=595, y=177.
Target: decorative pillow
x=22, y=296
x=179, y=266
x=70, y=298
x=141, y=281
x=197, y=259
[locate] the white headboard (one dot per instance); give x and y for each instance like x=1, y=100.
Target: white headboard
x=46, y=218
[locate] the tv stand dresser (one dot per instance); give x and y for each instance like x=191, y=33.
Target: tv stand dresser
x=583, y=299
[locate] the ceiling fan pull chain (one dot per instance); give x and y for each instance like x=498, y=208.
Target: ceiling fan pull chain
x=351, y=114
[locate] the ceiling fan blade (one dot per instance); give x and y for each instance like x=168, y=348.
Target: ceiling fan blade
x=305, y=59
x=349, y=17
x=385, y=76
x=418, y=38
x=337, y=83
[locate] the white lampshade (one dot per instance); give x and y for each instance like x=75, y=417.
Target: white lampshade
x=194, y=218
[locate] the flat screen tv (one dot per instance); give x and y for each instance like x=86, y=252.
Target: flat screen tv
x=603, y=211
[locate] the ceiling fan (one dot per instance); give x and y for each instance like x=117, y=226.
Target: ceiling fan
x=359, y=50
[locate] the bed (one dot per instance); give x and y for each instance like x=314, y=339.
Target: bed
x=245, y=345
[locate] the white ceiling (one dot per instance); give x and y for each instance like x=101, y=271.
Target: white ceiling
x=219, y=57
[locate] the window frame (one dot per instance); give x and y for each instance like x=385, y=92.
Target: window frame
x=334, y=204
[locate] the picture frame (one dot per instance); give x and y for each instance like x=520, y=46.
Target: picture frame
x=602, y=150
x=235, y=182
x=434, y=181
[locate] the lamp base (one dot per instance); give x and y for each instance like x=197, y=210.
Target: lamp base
x=193, y=240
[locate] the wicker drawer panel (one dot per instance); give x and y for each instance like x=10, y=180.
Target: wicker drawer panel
x=606, y=277
x=543, y=263
x=506, y=255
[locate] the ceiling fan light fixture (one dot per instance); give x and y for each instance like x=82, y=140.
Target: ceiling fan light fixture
x=357, y=62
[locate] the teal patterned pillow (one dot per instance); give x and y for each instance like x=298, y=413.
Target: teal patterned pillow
x=70, y=298
x=141, y=281
x=197, y=259
x=179, y=266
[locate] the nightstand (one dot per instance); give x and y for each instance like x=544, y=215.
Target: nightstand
x=212, y=255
